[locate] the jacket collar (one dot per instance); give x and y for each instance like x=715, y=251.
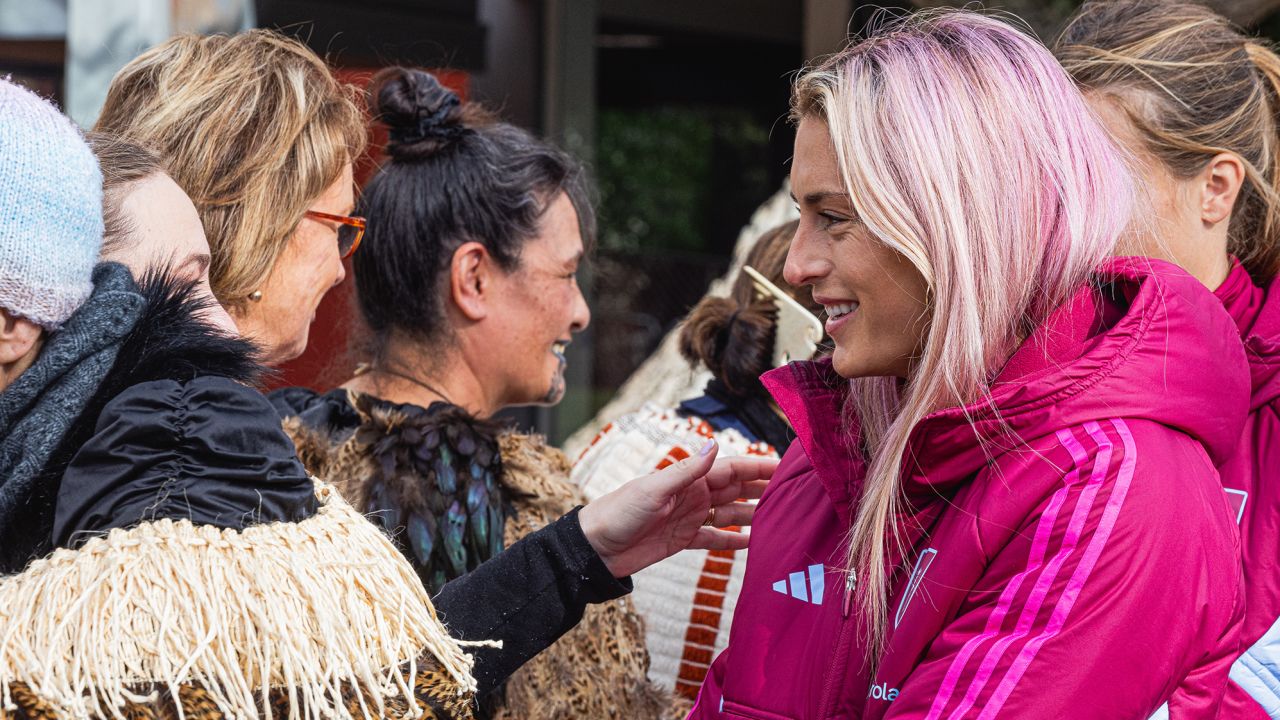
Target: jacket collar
x=1256, y=312
x=1144, y=340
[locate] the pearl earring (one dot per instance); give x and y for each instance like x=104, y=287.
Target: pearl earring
x=256, y=295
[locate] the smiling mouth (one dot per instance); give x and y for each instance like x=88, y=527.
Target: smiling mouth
x=835, y=312
x=558, y=349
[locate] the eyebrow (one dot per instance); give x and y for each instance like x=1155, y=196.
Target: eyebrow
x=573, y=262
x=815, y=198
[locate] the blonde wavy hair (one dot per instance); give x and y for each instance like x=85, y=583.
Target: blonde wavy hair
x=254, y=127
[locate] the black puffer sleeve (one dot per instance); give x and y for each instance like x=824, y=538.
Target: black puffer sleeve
x=209, y=450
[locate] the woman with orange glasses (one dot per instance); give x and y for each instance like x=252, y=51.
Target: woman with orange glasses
x=261, y=136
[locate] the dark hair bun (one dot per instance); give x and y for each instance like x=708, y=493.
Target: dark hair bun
x=422, y=115
x=735, y=343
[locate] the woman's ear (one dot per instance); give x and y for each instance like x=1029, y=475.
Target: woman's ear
x=20, y=342
x=470, y=280
x=1220, y=184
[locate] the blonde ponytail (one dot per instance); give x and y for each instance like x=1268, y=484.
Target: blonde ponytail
x=1264, y=251
x=1194, y=86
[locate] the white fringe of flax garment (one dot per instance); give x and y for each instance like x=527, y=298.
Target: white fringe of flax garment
x=310, y=608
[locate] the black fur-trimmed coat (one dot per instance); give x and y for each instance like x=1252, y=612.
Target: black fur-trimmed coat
x=168, y=341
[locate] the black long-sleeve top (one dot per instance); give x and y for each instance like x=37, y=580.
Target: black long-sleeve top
x=527, y=596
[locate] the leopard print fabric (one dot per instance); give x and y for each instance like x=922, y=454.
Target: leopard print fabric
x=609, y=640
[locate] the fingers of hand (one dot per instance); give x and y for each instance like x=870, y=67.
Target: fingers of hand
x=734, y=513
x=747, y=491
x=716, y=539
x=671, y=480
x=703, y=459
x=740, y=470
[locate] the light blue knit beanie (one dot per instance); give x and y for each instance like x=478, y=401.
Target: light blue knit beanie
x=50, y=209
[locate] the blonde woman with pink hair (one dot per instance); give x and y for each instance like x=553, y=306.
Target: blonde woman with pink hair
x=1003, y=501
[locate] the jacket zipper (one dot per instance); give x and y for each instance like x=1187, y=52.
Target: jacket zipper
x=835, y=678
x=849, y=585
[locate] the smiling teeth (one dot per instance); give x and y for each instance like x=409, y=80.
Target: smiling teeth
x=559, y=348
x=835, y=311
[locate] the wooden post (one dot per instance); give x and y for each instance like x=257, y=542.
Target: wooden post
x=569, y=120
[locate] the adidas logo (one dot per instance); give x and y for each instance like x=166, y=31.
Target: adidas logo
x=796, y=586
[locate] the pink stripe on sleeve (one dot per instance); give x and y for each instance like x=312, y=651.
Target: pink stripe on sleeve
x=1049, y=575
x=1075, y=585
x=1039, y=547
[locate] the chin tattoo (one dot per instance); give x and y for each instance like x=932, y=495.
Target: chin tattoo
x=555, y=393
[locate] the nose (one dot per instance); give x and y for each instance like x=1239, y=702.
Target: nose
x=806, y=264
x=581, y=312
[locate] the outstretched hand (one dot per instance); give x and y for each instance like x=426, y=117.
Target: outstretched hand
x=653, y=517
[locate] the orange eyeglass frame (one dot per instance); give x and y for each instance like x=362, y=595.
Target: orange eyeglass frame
x=358, y=223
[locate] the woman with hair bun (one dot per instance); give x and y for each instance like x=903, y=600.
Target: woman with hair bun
x=467, y=283
x=1002, y=501
x=1196, y=102
x=734, y=338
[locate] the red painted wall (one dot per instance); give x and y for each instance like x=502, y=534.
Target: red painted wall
x=329, y=359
